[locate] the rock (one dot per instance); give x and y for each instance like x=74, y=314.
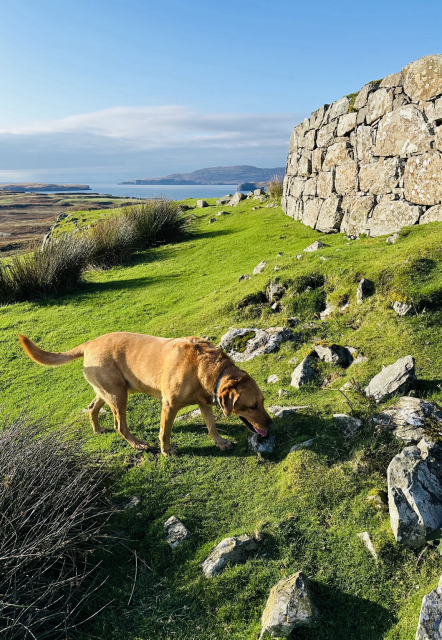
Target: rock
x=229, y=551
x=380, y=102
x=380, y=177
x=433, y=214
x=326, y=313
x=175, y=532
x=244, y=344
x=304, y=372
x=357, y=209
x=257, y=444
x=311, y=212
x=244, y=277
x=334, y=353
x=422, y=178
x=189, y=414
x=422, y=79
x=349, y=425
x=393, y=238
x=289, y=606
x=415, y=493
x=401, y=308
x=302, y=445
x=346, y=177
x=330, y=214
x=272, y=379
x=362, y=97
x=407, y=418
x=365, y=537
x=285, y=412
x=132, y=503
x=236, y=199
x=392, y=80
x=315, y=246
x=346, y=124
x=212, y=220
x=259, y=268
x=201, y=203
x=401, y=132
x=274, y=291
x=379, y=499
x=282, y=392
x=398, y=378
x=337, y=154
x=259, y=192
x=225, y=199
x=326, y=134
x=222, y=213
x=391, y=215
x=429, y=626
x=293, y=321
x=365, y=290
x=324, y=184
x=276, y=306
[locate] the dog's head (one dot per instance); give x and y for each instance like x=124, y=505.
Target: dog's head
x=243, y=397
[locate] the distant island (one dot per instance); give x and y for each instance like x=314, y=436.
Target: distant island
x=215, y=175
x=24, y=187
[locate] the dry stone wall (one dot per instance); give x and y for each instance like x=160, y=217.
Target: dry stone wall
x=371, y=163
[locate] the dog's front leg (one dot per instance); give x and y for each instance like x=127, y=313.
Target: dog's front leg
x=209, y=419
x=168, y=415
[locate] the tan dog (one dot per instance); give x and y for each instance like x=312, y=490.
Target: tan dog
x=179, y=372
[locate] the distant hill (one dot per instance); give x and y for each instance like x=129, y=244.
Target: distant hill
x=215, y=175
x=24, y=187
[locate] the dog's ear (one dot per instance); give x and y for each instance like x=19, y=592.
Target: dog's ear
x=227, y=400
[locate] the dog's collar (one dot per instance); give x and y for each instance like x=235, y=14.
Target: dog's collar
x=215, y=393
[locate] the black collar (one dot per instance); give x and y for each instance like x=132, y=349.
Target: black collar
x=215, y=393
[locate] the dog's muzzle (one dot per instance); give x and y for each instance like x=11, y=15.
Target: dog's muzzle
x=262, y=432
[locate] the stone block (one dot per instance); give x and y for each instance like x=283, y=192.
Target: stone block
x=317, y=117
x=338, y=108
x=289, y=606
x=310, y=186
x=337, y=154
x=318, y=156
x=391, y=215
x=396, y=379
x=346, y=179
x=430, y=618
x=311, y=211
x=392, y=81
x=403, y=132
x=294, y=208
x=422, y=79
x=361, y=117
x=296, y=186
x=422, y=178
x=308, y=141
x=330, y=214
x=346, y=124
x=380, y=102
x=362, y=97
x=324, y=186
x=364, y=144
x=326, y=134
x=380, y=177
x=357, y=209
x=433, y=214
x=305, y=165
x=293, y=147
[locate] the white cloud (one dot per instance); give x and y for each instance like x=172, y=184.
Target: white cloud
x=143, y=141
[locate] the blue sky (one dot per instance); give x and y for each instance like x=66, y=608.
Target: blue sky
x=116, y=90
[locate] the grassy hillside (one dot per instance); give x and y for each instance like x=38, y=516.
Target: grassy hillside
x=308, y=505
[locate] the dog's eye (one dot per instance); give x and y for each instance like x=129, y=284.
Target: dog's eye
x=254, y=407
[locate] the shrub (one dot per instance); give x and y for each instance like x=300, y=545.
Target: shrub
x=275, y=187
x=52, y=512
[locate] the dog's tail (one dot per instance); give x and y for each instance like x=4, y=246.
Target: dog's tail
x=46, y=357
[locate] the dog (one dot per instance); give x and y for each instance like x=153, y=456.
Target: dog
x=177, y=371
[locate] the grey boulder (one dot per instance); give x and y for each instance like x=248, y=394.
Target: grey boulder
x=236, y=199
x=402, y=308
x=304, y=372
x=398, y=378
x=261, y=445
x=229, y=551
x=334, y=353
x=430, y=618
x=274, y=291
x=285, y=412
x=415, y=493
x=348, y=425
x=259, y=268
x=315, y=246
x=289, y=606
x=225, y=199
x=407, y=418
x=175, y=532
x=365, y=290
x=201, y=204
x=254, y=342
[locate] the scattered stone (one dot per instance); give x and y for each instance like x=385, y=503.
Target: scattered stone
x=365, y=290
x=190, y=414
x=407, y=418
x=359, y=360
x=299, y=256
x=222, y=213
x=302, y=445
x=304, y=372
x=393, y=238
x=132, y=503
x=276, y=268
x=259, y=192
x=284, y=412
x=415, y=493
x=244, y=344
x=278, y=255
x=402, y=308
x=175, y=532
x=349, y=425
x=326, y=313
x=379, y=499
x=236, y=199
x=244, y=277
x=201, y=204
x=430, y=618
x=274, y=291
x=334, y=353
x=225, y=199
x=212, y=220
x=314, y=246
x=257, y=444
x=398, y=378
x=259, y=268
x=272, y=379
x=289, y=606
x=282, y=392
x=229, y=551
x=365, y=537
x=293, y=321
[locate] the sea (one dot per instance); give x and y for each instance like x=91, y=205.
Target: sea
x=172, y=192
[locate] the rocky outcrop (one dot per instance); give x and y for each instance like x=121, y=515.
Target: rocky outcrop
x=175, y=532
x=430, y=619
x=229, y=551
x=415, y=493
x=373, y=164
x=407, y=418
x=397, y=378
x=245, y=344
x=289, y=606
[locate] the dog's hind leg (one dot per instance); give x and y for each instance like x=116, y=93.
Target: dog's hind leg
x=94, y=409
x=209, y=419
x=117, y=401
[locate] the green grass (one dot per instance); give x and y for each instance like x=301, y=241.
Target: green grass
x=308, y=505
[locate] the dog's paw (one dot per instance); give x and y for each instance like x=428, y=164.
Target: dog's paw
x=225, y=445
x=169, y=452
x=140, y=445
